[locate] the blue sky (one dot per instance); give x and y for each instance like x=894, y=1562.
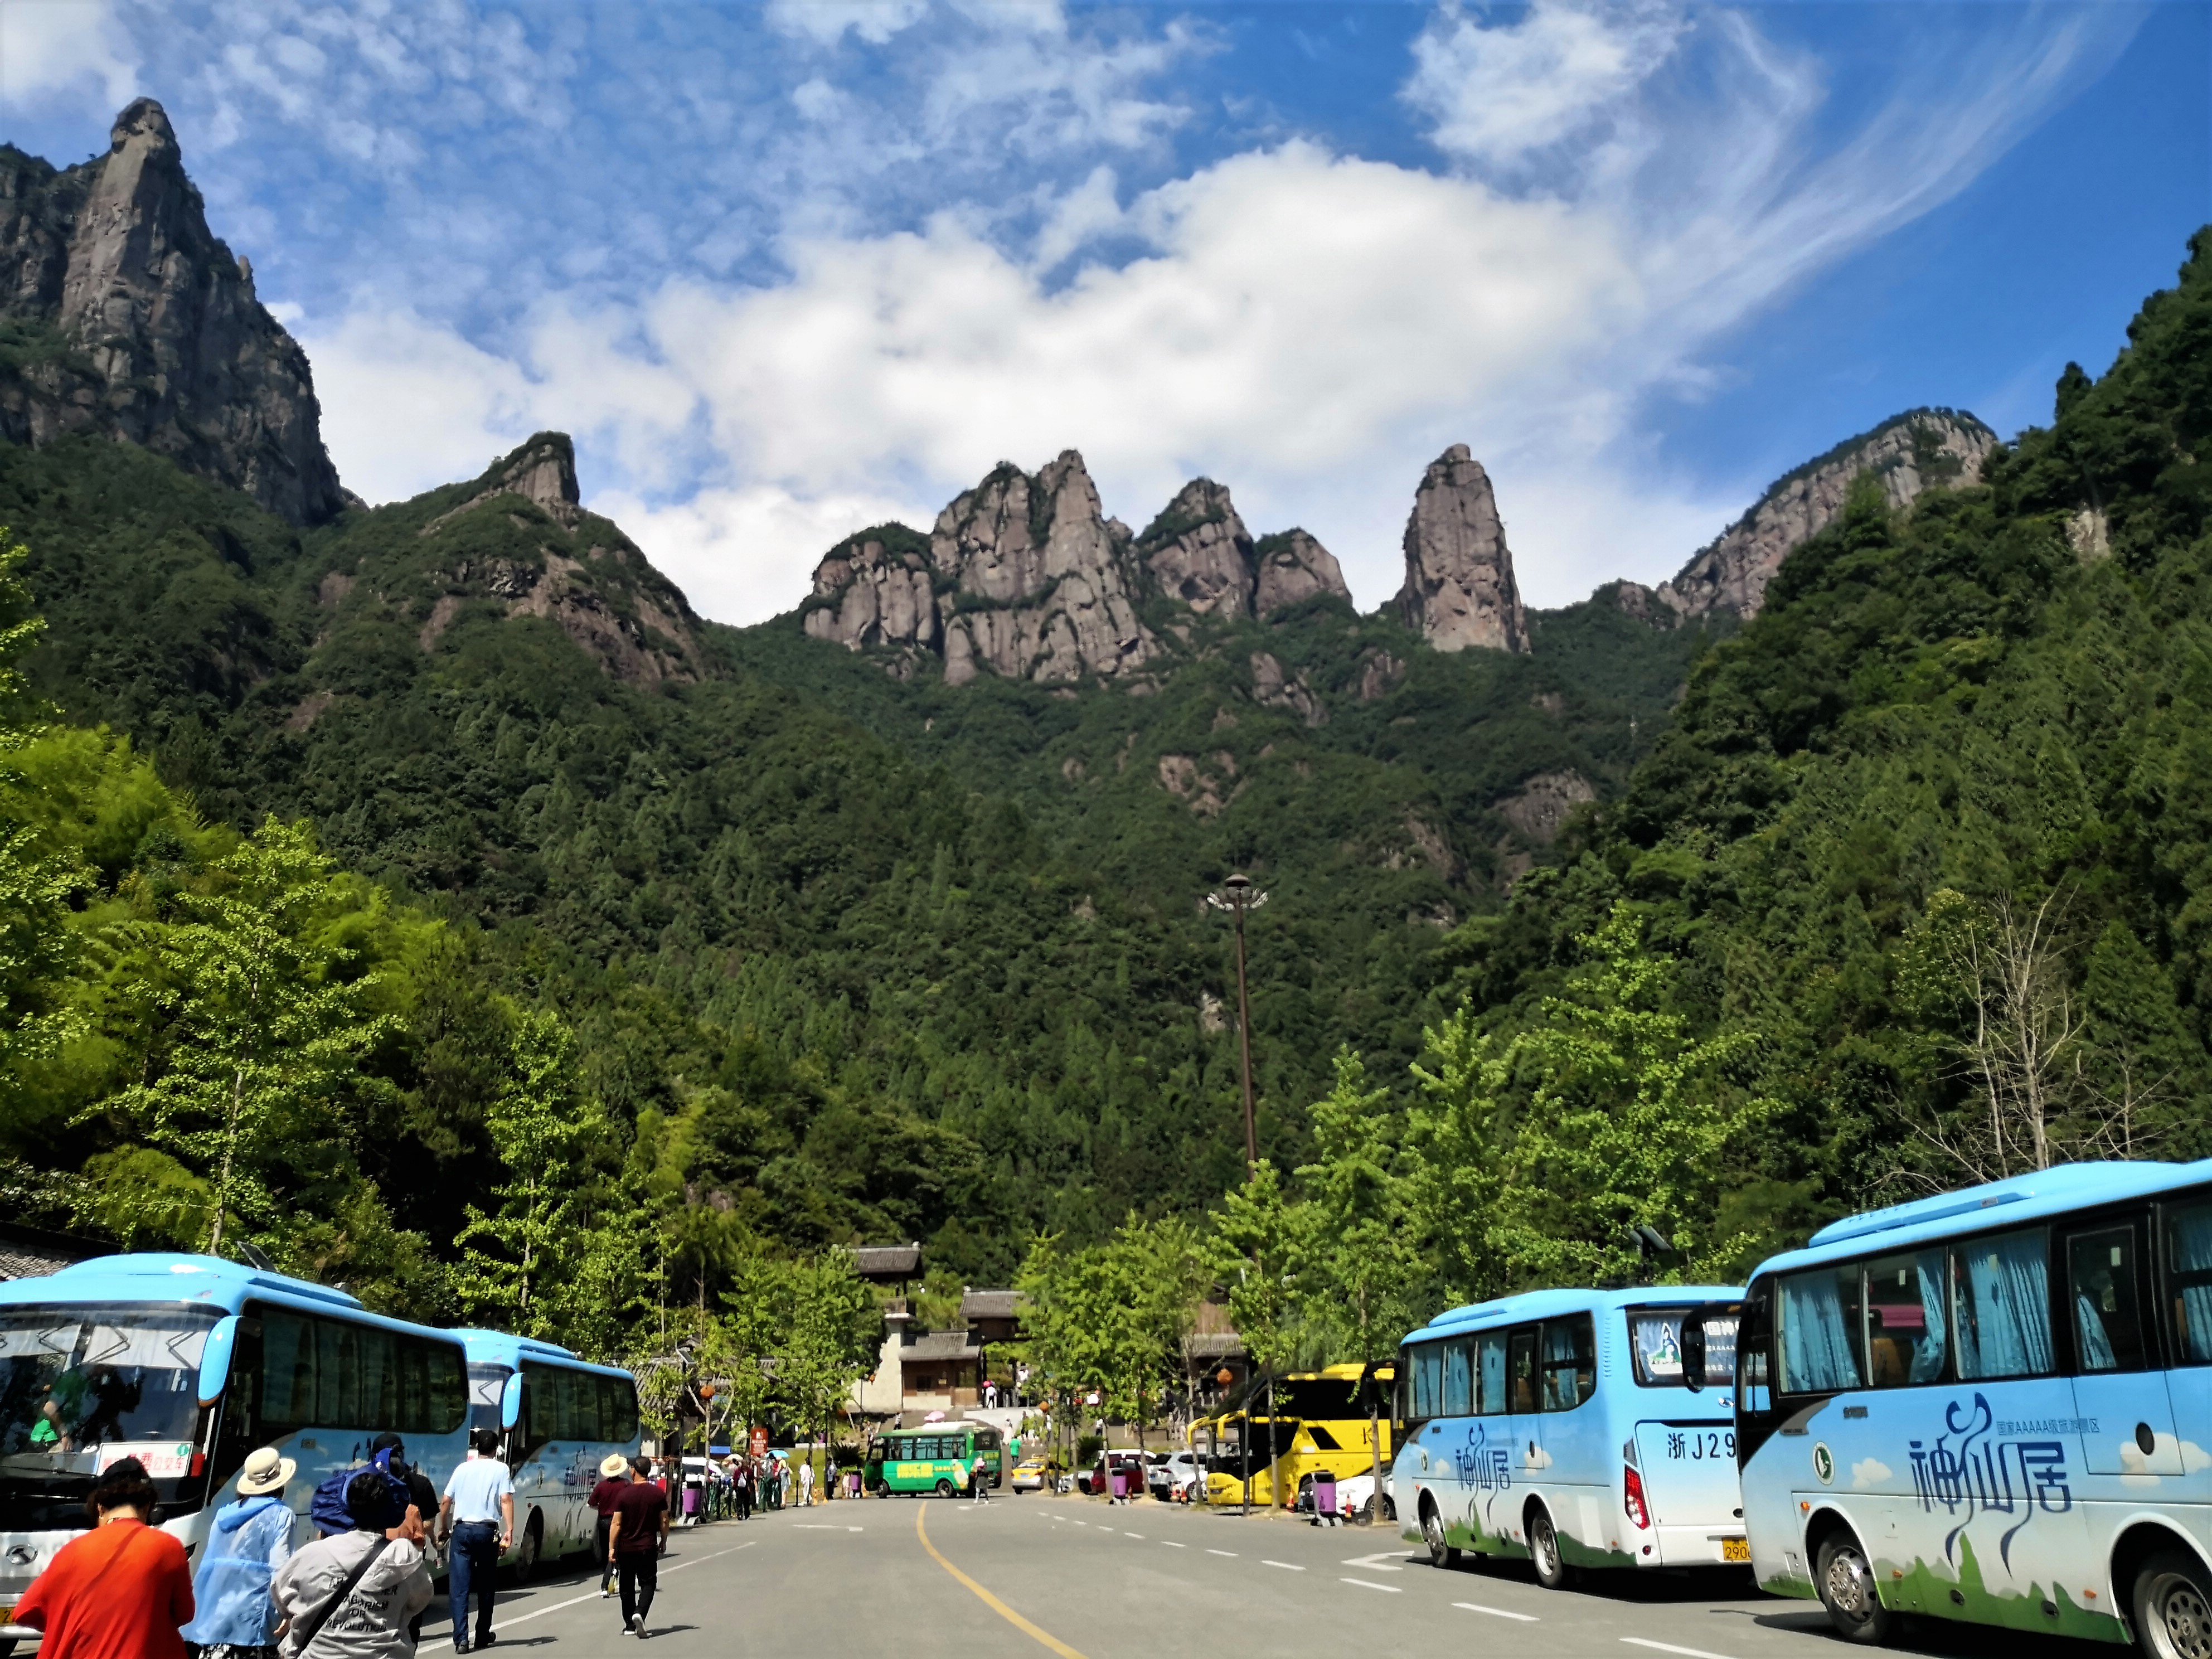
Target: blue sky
x=788, y=269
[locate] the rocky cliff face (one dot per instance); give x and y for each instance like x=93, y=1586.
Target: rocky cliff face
x=123, y=315
x=1025, y=577
x=1909, y=453
x=1459, y=589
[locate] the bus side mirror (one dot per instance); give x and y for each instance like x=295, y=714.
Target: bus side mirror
x=510, y=1401
x=1693, y=1352
x=215, y=1359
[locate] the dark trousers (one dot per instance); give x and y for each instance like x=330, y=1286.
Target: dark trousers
x=744, y=1495
x=472, y=1563
x=641, y=1576
x=599, y=1551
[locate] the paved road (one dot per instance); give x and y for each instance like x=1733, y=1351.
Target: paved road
x=1024, y=1577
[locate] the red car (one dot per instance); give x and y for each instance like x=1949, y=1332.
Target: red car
x=1098, y=1479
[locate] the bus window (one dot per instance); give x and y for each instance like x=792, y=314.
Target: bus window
x=1820, y=1331
x=1428, y=1370
x=1906, y=1326
x=1458, y=1392
x=1569, y=1362
x=2100, y=1273
x=1490, y=1373
x=2000, y=1287
x=2189, y=1271
x=1521, y=1369
x=1754, y=1336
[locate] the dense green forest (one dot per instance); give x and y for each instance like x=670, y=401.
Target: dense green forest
x=745, y=946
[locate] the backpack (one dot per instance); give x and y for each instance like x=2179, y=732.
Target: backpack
x=328, y=1510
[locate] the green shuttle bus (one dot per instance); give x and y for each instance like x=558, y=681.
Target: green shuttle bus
x=933, y=1459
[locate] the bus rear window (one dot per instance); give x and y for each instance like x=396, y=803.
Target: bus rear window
x=1655, y=1338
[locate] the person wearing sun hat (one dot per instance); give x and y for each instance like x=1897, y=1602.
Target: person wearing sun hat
x=614, y=1476
x=250, y=1540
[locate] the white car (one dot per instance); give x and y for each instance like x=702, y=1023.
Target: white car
x=1174, y=1477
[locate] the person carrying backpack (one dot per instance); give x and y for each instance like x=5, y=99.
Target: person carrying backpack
x=352, y=1594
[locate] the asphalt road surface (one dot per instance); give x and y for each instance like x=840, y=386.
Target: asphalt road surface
x=1022, y=1577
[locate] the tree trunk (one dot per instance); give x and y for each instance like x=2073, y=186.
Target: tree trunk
x=229, y=1141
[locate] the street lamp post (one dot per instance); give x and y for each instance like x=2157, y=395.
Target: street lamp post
x=1238, y=895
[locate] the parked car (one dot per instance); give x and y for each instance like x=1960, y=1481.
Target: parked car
x=1097, y=1480
x=1176, y=1477
x=1029, y=1475
x=1353, y=1495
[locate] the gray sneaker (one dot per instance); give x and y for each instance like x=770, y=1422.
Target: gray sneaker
x=637, y=1623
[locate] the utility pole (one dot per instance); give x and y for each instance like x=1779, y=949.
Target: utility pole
x=1238, y=895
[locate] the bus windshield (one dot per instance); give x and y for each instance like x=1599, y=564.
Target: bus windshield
x=84, y=1387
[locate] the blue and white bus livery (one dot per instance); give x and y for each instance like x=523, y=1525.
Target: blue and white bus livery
x=1559, y=1426
x=187, y=1363
x=559, y=1416
x=1992, y=1405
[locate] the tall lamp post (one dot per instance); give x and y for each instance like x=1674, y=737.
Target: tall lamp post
x=1238, y=895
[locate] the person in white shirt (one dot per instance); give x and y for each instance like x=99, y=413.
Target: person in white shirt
x=477, y=1514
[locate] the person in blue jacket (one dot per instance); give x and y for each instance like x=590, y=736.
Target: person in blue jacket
x=236, y=1617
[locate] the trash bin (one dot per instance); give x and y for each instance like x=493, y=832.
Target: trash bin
x=1324, y=1499
x=1119, y=1484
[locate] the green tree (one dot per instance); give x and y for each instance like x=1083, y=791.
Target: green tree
x=261, y=1034
x=829, y=1330
x=516, y=1263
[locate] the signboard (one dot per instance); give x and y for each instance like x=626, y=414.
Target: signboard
x=756, y=1442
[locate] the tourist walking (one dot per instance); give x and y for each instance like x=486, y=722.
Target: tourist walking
x=639, y=1532
x=353, y=1595
x=741, y=1488
x=478, y=1516
x=806, y=1483
x=122, y=1590
x=246, y=1548
x=614, y=1477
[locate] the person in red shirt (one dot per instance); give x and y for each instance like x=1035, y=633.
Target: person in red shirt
x=123, y=1590
x=638, y=1535
x=614, y=1479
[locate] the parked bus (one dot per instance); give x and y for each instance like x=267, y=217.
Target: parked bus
x=1992, y=1405
x=1307, y=1423
x=931, y=1458
x=187, y=1363
x=559, y=1416
x=1559, y=1426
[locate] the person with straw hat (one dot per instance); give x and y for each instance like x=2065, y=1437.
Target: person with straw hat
x=614, y=1477
x=249, y=1543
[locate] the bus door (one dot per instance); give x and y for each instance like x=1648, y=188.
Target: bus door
x=1575, y=1438
x=1524, y=1422
x=1493, y=1460
x=2119, y=1393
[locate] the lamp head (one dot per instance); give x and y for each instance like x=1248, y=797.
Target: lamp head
x=1239, y=882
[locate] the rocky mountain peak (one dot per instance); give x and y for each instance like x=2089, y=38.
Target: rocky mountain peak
x=1292, y=566
x=1199, y=551
x=1459, y=588
x=144, y=325
x=1919, y=450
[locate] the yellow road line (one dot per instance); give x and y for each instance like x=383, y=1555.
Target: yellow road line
x=989, y=1600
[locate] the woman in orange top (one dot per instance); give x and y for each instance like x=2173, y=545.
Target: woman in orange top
x=121, y=1591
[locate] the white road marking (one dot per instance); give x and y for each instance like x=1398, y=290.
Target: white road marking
x=1131, y=1534
x=1668, y=1647
x=1498, y=1613
x=1228, y=1552
x=1171, y=1544
x=539, y=1613
x=1387, y=1590
x=1378, y=1563
x=1287, y=1566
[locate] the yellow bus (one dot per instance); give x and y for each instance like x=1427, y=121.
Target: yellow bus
x=1318, y=1422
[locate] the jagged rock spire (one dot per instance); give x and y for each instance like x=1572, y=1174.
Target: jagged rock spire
x=1459, y=589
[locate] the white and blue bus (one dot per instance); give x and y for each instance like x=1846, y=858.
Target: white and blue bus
x=1562, y=1426
x=1992, y=1405
x=559, y=1416
x=187, y=1363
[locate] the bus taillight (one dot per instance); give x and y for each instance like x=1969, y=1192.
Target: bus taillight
x=1633, y=1499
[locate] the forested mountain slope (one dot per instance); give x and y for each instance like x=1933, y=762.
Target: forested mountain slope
x=1933, y=829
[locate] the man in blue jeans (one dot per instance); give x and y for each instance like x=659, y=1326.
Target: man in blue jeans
x=477, y=1514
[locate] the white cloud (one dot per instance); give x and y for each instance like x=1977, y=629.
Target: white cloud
x=733, y=552
x=826, y=20
x=59, y=48
x=1867, y=1475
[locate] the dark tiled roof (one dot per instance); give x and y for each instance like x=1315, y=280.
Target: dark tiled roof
x=888, y=1262
x=28, y=1252
x=990, y=1304
x=939, y=1345
x=1216, y=1344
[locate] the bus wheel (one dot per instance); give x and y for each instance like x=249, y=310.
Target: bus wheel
x=1543, y=1550
x=945, y=1489
x=533, y=1544
x=1845, y=1581
x=2173, y=1608
x=1441, y=1554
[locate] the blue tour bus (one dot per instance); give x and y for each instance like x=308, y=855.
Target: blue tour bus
x=1992, y=1405
x=187, y=1363
x=559, y=1416
x=1562, y=1426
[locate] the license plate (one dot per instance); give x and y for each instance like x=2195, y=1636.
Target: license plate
x=1736, y=1549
